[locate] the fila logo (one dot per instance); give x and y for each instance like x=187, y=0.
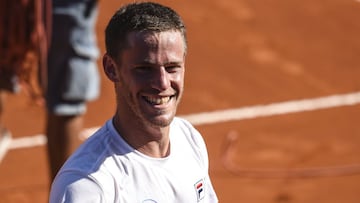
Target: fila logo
x=199, y=188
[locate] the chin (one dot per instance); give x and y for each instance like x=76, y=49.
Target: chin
x=162, y=121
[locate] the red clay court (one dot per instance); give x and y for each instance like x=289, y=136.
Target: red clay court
x=273, y=86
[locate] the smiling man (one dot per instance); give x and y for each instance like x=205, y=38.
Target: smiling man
x=144, y=153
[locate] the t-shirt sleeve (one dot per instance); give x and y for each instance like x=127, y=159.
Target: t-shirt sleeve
x=75, y=189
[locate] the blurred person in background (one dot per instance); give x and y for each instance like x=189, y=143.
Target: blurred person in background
x=73, y=78
x=24, y=34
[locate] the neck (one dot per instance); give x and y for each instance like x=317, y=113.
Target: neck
x=152, y=141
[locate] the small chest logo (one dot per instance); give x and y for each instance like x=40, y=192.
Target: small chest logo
x=149, y=201
x=199, y=188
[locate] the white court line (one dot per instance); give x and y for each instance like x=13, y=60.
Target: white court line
x=228, y=115
x=274, y=109
x=30, y=141
x=5, y=142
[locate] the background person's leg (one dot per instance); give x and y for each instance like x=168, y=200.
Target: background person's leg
x=63, y=138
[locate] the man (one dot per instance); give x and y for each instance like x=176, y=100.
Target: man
x=144, y=153
x=73, y=77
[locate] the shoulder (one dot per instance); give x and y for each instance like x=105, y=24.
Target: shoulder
x=90, y=170
x=188, y=131
x=96, y=151
x=180, y=125
x=75, y=187
x=183, y=124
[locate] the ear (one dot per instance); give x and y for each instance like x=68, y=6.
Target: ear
x=110, y=68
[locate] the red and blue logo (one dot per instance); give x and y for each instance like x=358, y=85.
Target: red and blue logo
x=199, y=188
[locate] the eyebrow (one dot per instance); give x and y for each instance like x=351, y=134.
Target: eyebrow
x=147, y=63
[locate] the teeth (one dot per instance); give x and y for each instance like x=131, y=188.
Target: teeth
x=158, y=101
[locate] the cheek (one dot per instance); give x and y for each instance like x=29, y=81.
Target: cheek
x=126, y=78
x=179, y=80
x=133, y=84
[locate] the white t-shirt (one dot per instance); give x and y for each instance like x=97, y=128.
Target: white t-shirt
x=106, y=169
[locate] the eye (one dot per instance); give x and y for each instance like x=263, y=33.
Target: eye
x=172, y=68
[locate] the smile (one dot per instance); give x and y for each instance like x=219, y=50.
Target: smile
x=158, y=100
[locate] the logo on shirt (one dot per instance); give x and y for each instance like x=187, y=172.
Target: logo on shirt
x=149, y=201
x=199, y=188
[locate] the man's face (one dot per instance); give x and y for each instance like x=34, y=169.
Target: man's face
x=151, y=77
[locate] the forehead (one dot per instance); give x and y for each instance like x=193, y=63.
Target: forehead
x=154, y=48
x=155, y=40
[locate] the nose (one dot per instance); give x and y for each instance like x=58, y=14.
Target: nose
x=161, y=79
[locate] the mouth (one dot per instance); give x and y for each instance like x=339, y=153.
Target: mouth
x=158, y=100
